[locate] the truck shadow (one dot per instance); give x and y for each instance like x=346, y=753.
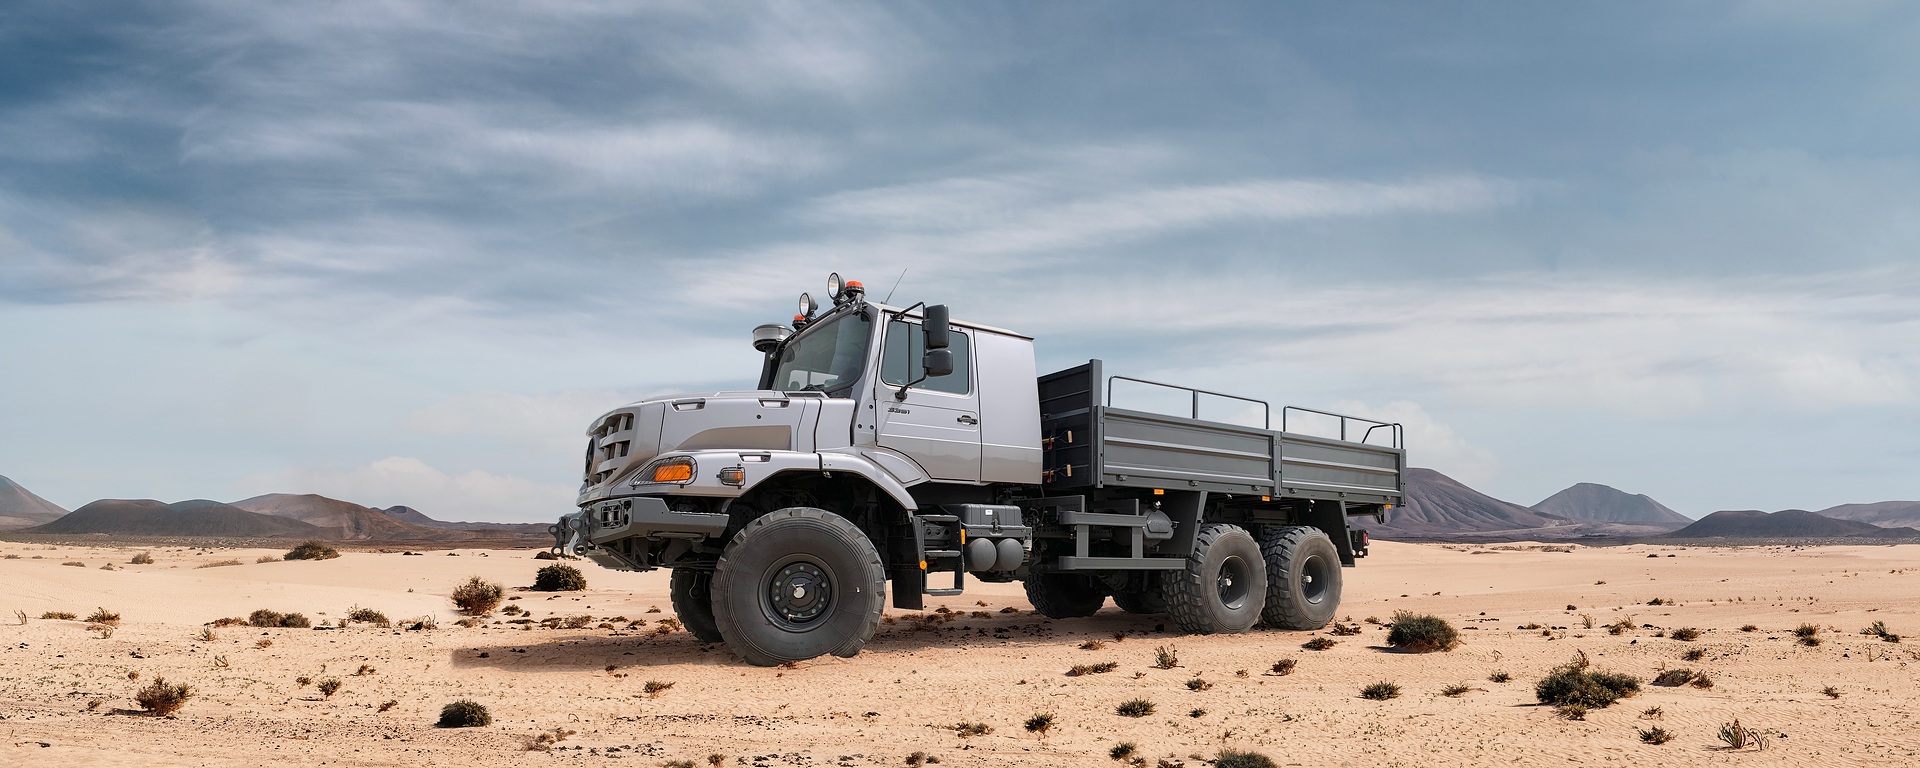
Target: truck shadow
x=541, y=649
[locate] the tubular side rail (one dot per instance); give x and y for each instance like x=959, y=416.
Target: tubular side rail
x=1266, y=411
x=1371, y=424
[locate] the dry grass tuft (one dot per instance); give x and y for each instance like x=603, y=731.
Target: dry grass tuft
x=477, y=597
x=1092, y=669
x=1134, y=708
x=144, y=558
x=161, y=698
x=1319, y=644
x=1165, y=657
x=1284, y=667
x=1380, y=691
x=311, y=549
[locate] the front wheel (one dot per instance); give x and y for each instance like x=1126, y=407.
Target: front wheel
x=1224, y=586
x=692, y=593
x=796, y=584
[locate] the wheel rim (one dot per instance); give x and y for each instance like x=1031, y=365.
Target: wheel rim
x=1234, y=583
x=1316, y=577
x=798, y=593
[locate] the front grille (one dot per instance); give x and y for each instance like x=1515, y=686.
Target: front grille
x=611, y=441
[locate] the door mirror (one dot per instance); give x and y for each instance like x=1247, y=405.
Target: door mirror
x=936, y=330
x=937, y=362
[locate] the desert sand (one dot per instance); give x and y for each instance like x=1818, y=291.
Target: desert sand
x=987, y=665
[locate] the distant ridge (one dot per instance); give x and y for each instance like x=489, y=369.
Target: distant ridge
x=1437, y=505
x=1600, y=503
x=21, y=508
x=416, y=517
x=1785, y=524
x=197, y=517
x=1884, y=513
x=341, y=520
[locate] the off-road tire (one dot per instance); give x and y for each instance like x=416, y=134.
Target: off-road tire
x=1223, y=588
x=1303, y=577
x=796, y=547
x=1147, y=601
x=1065, y=595
x=692, y=590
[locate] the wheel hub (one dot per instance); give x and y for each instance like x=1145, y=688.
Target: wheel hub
x=799, y=593
x=1231, y=583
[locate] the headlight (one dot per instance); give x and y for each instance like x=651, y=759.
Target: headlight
x=806, y=305
x=679, y=469
x=834, y=287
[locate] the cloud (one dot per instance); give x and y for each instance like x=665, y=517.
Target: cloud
x=541, y=422
x=1429, y=443
x=401, y=480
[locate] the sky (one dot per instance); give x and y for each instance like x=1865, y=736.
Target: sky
x=403, y=252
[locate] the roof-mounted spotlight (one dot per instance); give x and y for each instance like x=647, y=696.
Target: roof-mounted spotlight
x=853, y=290
x=835, y=287
x=807, y=306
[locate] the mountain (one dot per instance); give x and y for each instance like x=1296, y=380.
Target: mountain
x=340, y=520
x=1885, y=513
x=198, y=517
x=416, y=517
x=20, y=508
x=1785, y=524
x=1593, y=501
x=1437, y=505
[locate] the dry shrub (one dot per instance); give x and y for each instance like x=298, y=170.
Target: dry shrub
x=1421, y=633
x=1456, y=690
x=559, y=577
x=59, y=615
x=1573, y=684
x=1737, y=736
x=1198, y=684
x=1040, y=723
x=368, y=616
x=1344, y=629
x=329, y=687
x=1499, y=676
x=144, y=558
x=162, y=698
x=1230, y=758
x=266, y=559
x=1134, y=708
x=464, y=714
x=1655, y=735
x=1685, y=633
x=1673, y=678
x=1380, y=691
x=1092, y=645
x=103, y=616
x=1809, y=634
x=74, y=564
x=1165, y=657
x=1123, y=750
x=311, y=549
x=1092, y=669
x=477, y=597
x=219, y=564
x=965, y=729
x=1284, y=667
x=656, y=687
x=1319, y=643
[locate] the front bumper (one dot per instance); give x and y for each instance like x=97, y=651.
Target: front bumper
x=611, y=520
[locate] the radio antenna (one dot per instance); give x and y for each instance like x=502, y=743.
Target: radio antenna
x=896, y=286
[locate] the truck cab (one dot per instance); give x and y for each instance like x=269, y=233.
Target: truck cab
x=896, y=445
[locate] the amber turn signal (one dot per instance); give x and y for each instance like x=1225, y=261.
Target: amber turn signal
x=673, y=473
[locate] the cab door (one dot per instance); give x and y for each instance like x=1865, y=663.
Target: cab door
x=938, y=422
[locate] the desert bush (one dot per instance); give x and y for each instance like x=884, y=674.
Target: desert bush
x=364, y=670
x=1749, y=627
x=1673, y=678
x=1123, y=750
x=1284, y=667
x=1701, y=681
x=965, y=729
x=1040, y=723
x=1421, y=633
x=1165, y=657
x=559, y=577
x=477, y=597
x=74, y=564
x=1319, y=644
x=59, y=615
x=1620, y=625
x=1456, y=690
x=1500, y=676
x=1831, y=692
x=228, y=621
x=389, y=704
x=1572, y=684
x=1737, y=736
x=1571, y=711
x=1134, y=708
x=1809, y=634
x=368, y=616
x=163, y=698
x=1344, y=630
x=103, y=616
x=656, y=687
x=328, y=687
x=1879, y=629
x=545, y=554
x=265, y=642
x=295, y=621
x=1380, y=691
x=1685, y=633
x=1655, y=735
x=1198, y=684
x=266, y=559
x=1092, y=669
x=219, y=564
x=1092, y=645
x=1229, y=758
x=464, y=714
x=144, y=558
x=264, y=618
x=311, y=549
x=1694, y=654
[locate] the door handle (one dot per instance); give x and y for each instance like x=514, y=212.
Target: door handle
x=965, y=419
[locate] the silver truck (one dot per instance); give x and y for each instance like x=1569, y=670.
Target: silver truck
x=887, y=444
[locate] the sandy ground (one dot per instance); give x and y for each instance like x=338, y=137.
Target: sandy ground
x=916, y=681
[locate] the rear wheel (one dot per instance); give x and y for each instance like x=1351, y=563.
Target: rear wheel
x=693, y=603
x=1065, y=595
x=1147, y=599
x=1223, y=588
x=795, y=584
x=1304, y=568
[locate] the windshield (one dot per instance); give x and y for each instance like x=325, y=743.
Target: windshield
x=827, y=358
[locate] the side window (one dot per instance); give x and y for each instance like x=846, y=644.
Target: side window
x=901, y=362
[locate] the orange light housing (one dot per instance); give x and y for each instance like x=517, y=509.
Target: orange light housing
x=673, y=473
x=854, y=284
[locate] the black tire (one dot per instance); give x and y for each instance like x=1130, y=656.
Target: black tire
x=1144, y=601
x=798, y=583
x=1065, y=595
x=693, y=603
x=1303, y=572
x=1223, y=588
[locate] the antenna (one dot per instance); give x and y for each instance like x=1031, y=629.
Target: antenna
x=896, y=286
